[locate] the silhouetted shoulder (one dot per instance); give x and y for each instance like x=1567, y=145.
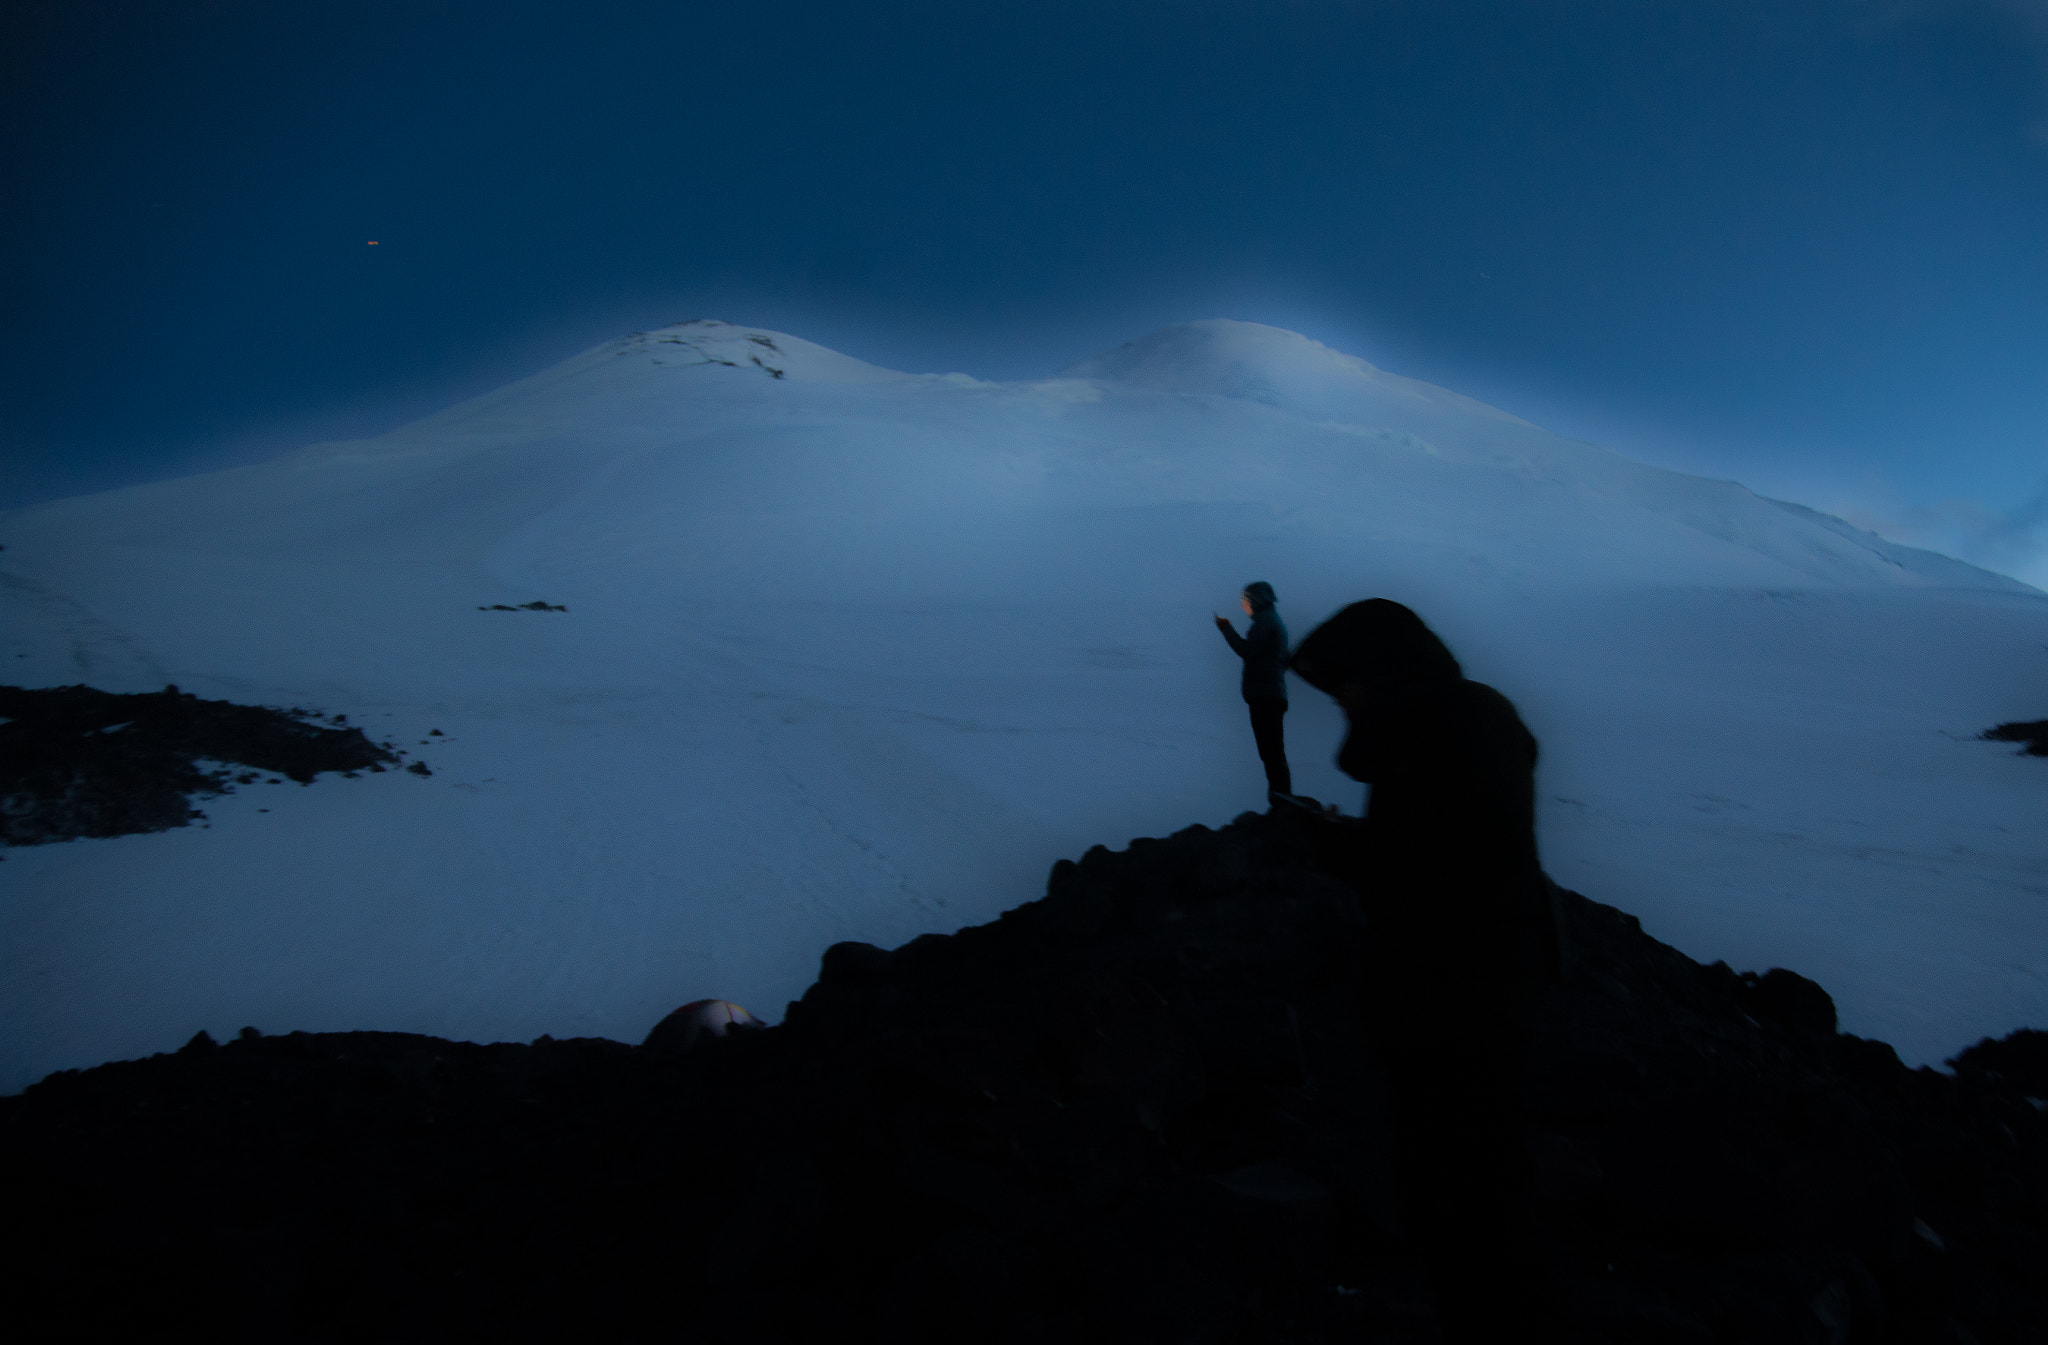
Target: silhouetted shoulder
x=1484, y=707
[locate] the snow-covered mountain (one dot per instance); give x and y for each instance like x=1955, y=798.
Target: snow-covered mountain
x=856, y=654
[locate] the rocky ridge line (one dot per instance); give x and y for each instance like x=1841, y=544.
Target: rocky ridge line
x=1141, y=1109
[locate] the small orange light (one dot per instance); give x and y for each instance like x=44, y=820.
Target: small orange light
x=373, y=242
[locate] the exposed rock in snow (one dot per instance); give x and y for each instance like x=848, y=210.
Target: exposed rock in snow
x=2033, y=734
x=709, y=343
x=77, y=762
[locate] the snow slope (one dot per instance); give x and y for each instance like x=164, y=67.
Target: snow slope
x=852, y=653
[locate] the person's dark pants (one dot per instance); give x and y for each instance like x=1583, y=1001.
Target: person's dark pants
x=1272, y=740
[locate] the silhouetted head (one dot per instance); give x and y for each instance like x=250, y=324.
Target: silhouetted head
x=1258, y=596
x=1372, y=646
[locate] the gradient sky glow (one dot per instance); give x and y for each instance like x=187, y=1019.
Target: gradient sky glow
x=1800, y=244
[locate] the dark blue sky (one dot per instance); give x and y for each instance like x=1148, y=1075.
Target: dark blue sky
x=1801, y=244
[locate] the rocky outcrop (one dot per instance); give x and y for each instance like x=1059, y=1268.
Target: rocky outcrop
x=1144, y=1108
x=2032, y=735
x=75, y=761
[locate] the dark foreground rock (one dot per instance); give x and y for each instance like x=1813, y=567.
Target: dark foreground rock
x=1141, y=1109
x=75, y=761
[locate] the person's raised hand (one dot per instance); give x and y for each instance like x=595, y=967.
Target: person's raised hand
x=1222, y=622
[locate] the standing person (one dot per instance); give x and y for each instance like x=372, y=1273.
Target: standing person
x=1264, y=650
x=1464, y=935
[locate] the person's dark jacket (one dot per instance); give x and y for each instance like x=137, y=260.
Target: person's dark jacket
x=1264, y=651
x=1464, y=921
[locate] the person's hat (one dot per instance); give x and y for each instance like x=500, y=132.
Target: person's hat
x=1377, y=642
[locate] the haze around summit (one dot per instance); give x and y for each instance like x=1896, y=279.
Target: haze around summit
x=1791, y=245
